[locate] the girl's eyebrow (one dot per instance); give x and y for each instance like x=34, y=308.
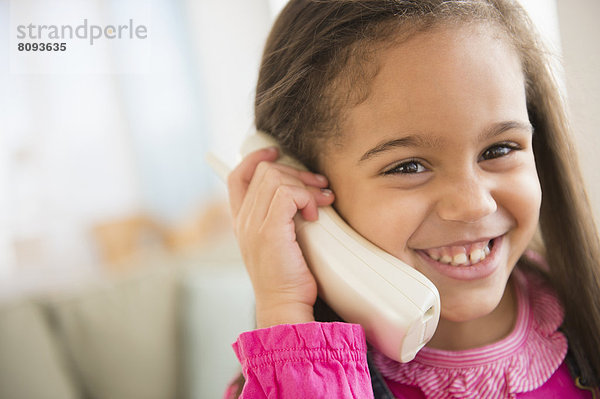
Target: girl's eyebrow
x=501, y=127
x=413, y=140
x=418, y=140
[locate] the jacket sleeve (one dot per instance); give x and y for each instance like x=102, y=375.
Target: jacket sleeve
x=312, y=360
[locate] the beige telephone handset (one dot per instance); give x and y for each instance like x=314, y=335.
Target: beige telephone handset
x=398, y=307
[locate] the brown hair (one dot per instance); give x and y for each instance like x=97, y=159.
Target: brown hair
x=316, y=62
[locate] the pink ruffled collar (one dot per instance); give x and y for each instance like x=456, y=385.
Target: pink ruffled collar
x=521, y=362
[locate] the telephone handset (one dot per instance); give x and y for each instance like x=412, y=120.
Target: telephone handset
x=398, y=307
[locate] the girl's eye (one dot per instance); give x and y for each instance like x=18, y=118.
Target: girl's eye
x=407, y=167
x=498, y=150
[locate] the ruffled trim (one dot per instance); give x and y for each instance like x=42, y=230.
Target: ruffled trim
x=521, y=362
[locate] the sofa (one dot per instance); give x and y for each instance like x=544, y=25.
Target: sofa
x=163, y=331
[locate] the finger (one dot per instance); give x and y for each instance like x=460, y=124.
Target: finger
x=239, y=179
x=255, y=165
x=323, y=196
x=286, y=203
x=308, y=178
x=262, y=189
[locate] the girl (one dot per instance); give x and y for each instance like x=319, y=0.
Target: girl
x=443, y=137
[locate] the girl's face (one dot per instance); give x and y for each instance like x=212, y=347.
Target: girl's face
x=436, y=165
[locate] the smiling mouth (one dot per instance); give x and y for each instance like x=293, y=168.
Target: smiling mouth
x=461, y=255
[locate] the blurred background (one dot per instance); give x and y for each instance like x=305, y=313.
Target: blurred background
x=119, y=274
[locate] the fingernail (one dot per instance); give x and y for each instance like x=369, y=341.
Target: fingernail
x=327, y=192
x=321, y=178
x=271, y=149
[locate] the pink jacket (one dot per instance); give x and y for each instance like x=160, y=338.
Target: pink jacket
x=329, y=360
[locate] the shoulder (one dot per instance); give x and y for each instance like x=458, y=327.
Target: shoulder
x=546, y=309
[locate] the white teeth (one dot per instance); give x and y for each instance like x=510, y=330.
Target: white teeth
x=460, y=259
x=446, y=259
x=476, y=256
x=479, y=251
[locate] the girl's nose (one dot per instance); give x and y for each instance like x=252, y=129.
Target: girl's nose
x=466, y=199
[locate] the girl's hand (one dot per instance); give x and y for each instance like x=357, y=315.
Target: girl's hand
x=265, y=197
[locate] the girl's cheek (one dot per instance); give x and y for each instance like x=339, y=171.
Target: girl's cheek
x=520, y=197
x=395, y=220
x=524, y=191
